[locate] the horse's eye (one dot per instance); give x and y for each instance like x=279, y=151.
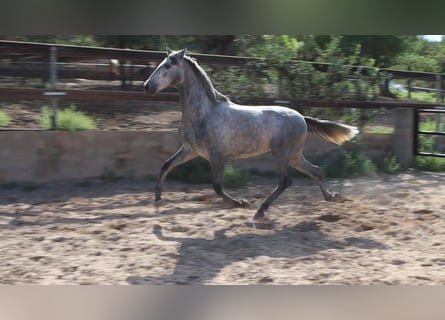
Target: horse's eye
x=167, y=66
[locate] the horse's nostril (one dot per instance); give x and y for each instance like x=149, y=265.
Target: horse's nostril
x=149, y=88
x=145, y=85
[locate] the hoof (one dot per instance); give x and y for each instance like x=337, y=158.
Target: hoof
x=159, y=203
x=242, y=203
x=337, y=197
x=260, y=217
x=262, y=222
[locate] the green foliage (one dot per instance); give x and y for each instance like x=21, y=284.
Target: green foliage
x=421, y=55
x=283, y=74
x=198, y=171
x=79, y=40
x=415, y=61
x=194, y=171
x=419, y=96
x=40, y=84
x=5, y=119
x=346, y=165
x=67, y=119
x=235, y=177
x=427, y=142
x=388, y=165
x=343, y=78
x=429, y=163
x=381, y=48
x=380, y=129
x=430, y=125
x=349, y=164
x=276, y=49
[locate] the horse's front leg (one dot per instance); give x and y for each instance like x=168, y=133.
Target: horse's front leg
x=184, y=154
x=217, y=167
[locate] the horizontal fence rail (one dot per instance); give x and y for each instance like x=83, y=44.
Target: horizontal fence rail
x=120, y=95
x=18, y=48
x=90, y=71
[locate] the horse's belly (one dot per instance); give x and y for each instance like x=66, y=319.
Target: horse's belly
x=239, y=149
x=245, y=155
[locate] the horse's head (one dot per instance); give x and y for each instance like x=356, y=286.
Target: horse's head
x=169, y=72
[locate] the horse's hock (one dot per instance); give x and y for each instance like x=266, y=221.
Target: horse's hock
x=46, y=156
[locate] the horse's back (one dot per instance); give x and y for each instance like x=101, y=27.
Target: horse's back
x=271, y=117
x=245, y=131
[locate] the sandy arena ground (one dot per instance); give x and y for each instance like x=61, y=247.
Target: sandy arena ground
x=392, y=231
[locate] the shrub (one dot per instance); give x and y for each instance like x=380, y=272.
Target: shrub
x=352, y=163
x=68, y=119
x=194, y=171
x=235, y=177
x=429, y=163
x=4, y=119
x=388, y=165
x=198, y=171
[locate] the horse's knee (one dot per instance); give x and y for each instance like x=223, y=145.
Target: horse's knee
x=285, y=182
x=165, y=166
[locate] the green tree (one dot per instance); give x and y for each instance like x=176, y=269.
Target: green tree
x=419, y=55
x=382, y=48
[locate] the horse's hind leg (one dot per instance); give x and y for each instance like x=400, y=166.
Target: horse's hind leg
x=181, y=156
x=304, y=166
x=217, y=166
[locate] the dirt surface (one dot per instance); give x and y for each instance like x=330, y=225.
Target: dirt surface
x=391, y=231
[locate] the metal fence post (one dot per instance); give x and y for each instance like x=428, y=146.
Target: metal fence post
x=53, y=82
x=403, y=137
x=409, y=82
x=438, y=98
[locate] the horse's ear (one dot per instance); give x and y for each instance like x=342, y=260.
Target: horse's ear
x=169, y=51
x=181, y=53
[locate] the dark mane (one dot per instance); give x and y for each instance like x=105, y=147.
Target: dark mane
x=213, y=94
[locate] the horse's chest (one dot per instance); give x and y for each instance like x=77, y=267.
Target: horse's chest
x=193, y=136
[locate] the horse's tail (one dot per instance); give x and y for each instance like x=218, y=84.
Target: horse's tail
x=331, y=131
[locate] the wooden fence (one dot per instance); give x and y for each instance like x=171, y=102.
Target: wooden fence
x=53, y=62
x=59, y=58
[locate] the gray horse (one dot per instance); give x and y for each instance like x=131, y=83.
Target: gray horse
x=217, y=129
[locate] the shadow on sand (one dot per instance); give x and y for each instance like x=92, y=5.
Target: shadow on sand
x=200, y=260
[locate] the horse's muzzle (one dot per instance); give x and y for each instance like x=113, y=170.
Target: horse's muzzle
x=150, y=88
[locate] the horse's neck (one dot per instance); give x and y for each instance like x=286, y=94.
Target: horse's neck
x=193, y=97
